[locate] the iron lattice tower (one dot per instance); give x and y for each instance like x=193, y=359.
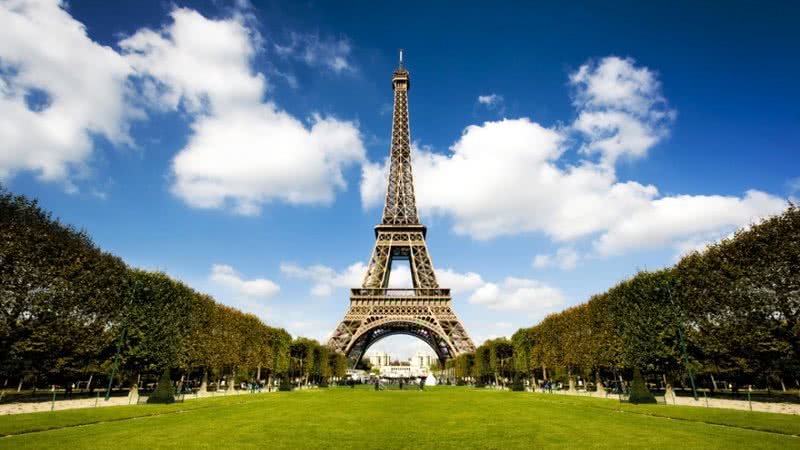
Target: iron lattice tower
x=376, y=311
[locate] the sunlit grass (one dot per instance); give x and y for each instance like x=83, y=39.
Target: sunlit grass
x=436, y=418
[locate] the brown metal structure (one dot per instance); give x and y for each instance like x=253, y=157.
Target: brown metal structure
x=377, y=311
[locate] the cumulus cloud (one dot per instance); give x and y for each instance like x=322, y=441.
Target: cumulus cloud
x=509, y=177
x=198, y=63
x=520, y=294
x=565, y=258
x=534, y=298
x=622, y=111
x=325, y=279
x=243, y=151
x=58, y=89
x=458, y=282
x=662, y=219
x=310, y=48
x=257, y=288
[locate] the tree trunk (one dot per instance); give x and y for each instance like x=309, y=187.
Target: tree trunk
x=269, y=382
x=258, y=373
x=19, y=386
x=713, y=382
x=783, y=385
x=89, y=383
x=204, y=382
x=572, y=385
x=544, y=372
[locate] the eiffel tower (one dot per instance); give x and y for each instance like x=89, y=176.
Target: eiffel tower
x=377, y=311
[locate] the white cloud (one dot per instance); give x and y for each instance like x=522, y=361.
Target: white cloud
x=400, y=276
x=325, y=279
x=243, y=151
x=374, y=178
x=310, y=328
x=258, y=288
x=663, y=219
x=509, y=177
x=195, y=62
x=519, y=294
x=458, y=282
x=565, y=258
x=491, y=100
x=333, y=54
x=621, y=109
x=58, y=89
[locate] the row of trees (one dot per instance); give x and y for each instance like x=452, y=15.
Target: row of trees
x=730, y=312
x=71, y=312
x=492, y=362
x=312, y=363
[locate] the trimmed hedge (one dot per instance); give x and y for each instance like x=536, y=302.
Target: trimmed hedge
x=639, y=392
x=164, y=392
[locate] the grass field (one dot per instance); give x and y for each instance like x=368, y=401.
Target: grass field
x=438, y=418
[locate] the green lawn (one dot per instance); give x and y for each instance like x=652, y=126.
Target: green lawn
x=438, y=418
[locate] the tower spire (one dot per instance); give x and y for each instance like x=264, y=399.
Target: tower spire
x=401, y=206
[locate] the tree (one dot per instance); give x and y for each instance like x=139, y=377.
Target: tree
x=60, y=296
x=321, y=369
x=337, y=365
x=301, y=352
x=482, y=370
x=65, y=305
x=279, y=342
x=200, y=342
x=501, y=358
x=523, y=343
x=159, y=320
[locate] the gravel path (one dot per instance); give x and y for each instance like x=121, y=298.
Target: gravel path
x=780, y=408
x=60, y=405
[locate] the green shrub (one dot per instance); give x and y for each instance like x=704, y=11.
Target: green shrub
x=639, y=391
x=285, y=385
x=460, y=382
x=164, y=392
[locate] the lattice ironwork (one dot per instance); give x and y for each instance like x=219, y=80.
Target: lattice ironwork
x=400, y=207
x=424, y=311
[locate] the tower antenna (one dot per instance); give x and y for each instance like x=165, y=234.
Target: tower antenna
x=401, y=57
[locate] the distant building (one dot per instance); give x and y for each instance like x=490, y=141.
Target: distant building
x=417, y=366
x=423, y=360
x=380, y=359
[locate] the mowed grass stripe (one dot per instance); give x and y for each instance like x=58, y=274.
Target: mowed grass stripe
x=756, y=420
x=436, y=419
x=42, y=421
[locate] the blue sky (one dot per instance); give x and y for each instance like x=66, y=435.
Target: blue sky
x=558, y=149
